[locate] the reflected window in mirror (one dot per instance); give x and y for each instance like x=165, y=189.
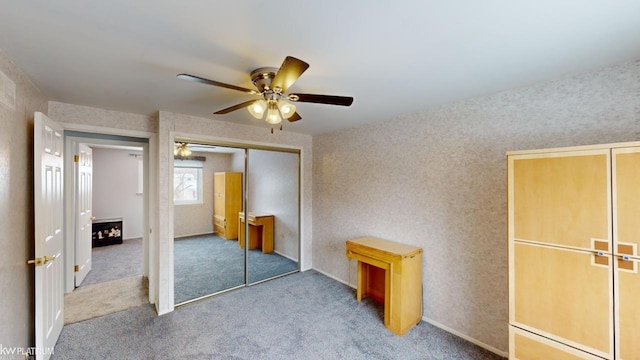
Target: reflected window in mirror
x=187, y=182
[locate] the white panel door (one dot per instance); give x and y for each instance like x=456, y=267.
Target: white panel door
x=49, y=235
x=84, y=214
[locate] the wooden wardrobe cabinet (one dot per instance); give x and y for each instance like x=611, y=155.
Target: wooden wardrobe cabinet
x=227, y=203
x=574, y=231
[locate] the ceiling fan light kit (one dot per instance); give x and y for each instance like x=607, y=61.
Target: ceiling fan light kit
x=272, y=84
x=257, y=108
x=273, y=116
x=286, y=108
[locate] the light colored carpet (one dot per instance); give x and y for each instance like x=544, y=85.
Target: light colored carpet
x=115, y=262
x=91, y=301
x=207, y=264
x=301, y=316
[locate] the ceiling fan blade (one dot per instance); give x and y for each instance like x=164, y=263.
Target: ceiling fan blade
x=234, y=108
x=289, y=72
x=322, y=99
x=294, y=117
x=216, y=83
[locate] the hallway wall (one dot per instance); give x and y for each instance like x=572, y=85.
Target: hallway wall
x=115, y=186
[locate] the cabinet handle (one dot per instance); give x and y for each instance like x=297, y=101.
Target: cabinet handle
x=626, y=262
x=627, y=258
x=600, y=258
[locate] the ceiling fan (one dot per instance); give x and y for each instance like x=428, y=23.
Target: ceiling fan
x=272, y=84
x=184, y=149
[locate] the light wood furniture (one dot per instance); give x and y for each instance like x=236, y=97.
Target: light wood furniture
x=227, y=202
x=260, y=231
x=392, y=273
x=573, y=252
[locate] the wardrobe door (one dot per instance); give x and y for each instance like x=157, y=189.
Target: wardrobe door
x=562, y=199
x=564, y=295
x=218, y=203
x=626, y=182
x=561, y=276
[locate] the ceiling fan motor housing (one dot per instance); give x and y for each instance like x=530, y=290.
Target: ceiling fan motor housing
x=262, y=78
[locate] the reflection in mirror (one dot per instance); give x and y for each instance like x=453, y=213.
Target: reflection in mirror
x=207, y=192
x=273, y=214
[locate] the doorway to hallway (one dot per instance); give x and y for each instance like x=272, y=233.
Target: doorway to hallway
x=116, y=276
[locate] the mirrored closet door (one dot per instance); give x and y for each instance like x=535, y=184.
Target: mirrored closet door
x=208, y=190
x=217, y=245
x=273, y=203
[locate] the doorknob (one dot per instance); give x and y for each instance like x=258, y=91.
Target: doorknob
x=36, y=261
x=92, y=218
x=41, y=261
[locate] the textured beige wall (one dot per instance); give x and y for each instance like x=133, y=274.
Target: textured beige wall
x=16, y=209
x=85, y=115
x=437, y=179
x=197, y=219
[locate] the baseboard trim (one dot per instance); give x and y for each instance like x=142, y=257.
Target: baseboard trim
x=334, y=278
x=132, y=238
x=191, y=235
x=285, y=256
x=466, y=337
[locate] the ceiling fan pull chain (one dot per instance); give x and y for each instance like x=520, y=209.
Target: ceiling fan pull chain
x=272, y=129
x=280, y=126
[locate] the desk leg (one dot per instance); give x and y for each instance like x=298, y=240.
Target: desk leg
x=388, y=299
x=361, y=280
x=267, y=237
x=241, y=234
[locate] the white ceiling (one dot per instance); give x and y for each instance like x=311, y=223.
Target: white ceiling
x=393, y=57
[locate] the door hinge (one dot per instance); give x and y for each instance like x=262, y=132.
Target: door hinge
x=76, y=158
x=76, y=268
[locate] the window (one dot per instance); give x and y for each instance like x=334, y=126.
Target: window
x=187, y=182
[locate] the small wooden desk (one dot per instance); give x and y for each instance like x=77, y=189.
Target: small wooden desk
x=260, y=231
x=392, y=273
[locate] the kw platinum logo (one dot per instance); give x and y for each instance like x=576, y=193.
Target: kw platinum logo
x=8, y=352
